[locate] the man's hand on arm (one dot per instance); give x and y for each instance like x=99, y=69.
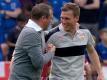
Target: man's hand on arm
x=51, y=48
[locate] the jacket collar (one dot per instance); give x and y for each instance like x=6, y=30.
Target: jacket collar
x=33, y=25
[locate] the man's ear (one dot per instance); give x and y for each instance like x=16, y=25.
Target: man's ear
x=77, y=18
x=42, y=18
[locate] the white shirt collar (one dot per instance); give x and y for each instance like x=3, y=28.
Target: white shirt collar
x=61, y=27
x=33, y=25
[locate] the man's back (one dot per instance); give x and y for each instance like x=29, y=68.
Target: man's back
x=22, y=65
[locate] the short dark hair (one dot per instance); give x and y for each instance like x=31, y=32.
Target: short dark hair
x=72, y=6
x=40, y=10
x=22, y=17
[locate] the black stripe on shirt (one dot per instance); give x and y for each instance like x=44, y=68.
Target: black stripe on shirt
x=70, y=51
x=47, y=36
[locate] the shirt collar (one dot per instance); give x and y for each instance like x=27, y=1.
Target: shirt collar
x=33, y=25
x=62, y=29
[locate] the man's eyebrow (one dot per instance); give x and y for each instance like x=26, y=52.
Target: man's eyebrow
x=64, y=17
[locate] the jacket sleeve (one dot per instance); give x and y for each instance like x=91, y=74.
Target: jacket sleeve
x=33, y=46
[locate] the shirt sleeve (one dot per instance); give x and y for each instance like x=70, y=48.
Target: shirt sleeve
x=91, y=40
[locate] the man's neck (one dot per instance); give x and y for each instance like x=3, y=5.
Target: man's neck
x=74, y=30
x=38, y=23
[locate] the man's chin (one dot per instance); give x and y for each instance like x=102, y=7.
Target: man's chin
x=45, y=28
x=67, y=30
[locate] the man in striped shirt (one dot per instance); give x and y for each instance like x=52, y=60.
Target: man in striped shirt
x=70, y=42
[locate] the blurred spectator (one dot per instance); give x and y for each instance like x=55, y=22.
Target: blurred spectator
x=9, y=9
x=89, y=16
x=103, y=15
x=26, y=7
x=13, y=35
x=38, y=1
x=1, y=56
x=101, y=48
x=28, y=4
x=2, y=37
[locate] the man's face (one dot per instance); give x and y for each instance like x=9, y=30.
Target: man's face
x=68, y=20
x=21, y=24
x=48, y=20
x=103, y=36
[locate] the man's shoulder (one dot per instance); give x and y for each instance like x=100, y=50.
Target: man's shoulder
x=51, y=32
x=81, y=28
x=29, y=32
x=84, y=30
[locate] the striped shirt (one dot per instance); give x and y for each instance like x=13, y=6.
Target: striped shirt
x=68, y=62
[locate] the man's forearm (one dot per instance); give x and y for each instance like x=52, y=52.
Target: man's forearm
x=96, y=62
x=13, y=14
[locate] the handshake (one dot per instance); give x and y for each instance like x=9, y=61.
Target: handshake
x=50, y=48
